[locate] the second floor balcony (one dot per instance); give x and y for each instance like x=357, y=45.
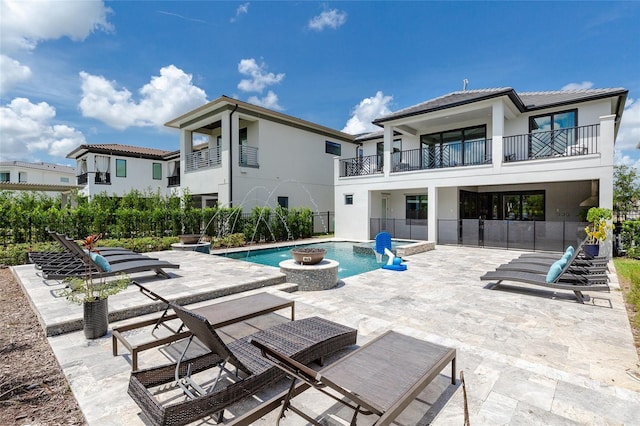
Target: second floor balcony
x=560, y=143
x=173, y=181
x=100, y=178
x=202, y=159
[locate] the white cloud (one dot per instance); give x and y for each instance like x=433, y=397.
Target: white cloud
x=269, y=101
x=259, y=77
x=365, y=112
x=241, y=10
x=627, y=160
x=165, y=97
x=25, y=23
x=12, y=72
x=578, y=86
x=329, y=18
x=26, y=129
x=629, y=133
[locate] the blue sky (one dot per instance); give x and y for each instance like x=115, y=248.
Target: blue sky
x=114, y=72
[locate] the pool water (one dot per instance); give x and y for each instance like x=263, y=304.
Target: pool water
x=350, y=263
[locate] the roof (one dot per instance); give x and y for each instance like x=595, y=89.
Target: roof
x=226, y=103
x=524, y=101
x=23, y=186
x=39, y=166
x=122, y=150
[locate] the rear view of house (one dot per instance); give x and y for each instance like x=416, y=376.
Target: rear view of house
x=487, y=167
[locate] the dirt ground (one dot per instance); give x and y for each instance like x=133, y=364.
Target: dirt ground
x=33, y=390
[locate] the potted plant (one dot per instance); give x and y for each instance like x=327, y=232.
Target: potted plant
x=92, y=292
x=597, y=229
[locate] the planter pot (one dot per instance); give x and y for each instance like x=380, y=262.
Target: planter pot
x=96, y=318
x=308, y=256
x=189, y=238
x=591, y=250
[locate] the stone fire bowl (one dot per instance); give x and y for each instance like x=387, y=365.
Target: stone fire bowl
x=308, y=256
x=189, y=238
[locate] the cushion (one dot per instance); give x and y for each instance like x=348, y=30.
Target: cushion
x=101, y=261
x=570, y=250
x=554, y=272
x=565, y=257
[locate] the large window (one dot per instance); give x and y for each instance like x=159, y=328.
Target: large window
x=552, y=133
x=157, y=171
x=452, y=148
x=526, y=205
x=416, y=206
x=121, y=168
x=5, y=176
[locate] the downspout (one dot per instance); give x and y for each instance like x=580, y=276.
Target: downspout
x=231, y=156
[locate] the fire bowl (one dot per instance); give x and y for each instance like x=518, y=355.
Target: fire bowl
x=308, y=256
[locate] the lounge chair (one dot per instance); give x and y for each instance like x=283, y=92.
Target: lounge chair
x=303, y=340
x=557, y=277
x=381, y=378
x=542, y=265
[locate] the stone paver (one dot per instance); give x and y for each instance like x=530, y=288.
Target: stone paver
x=529, y=355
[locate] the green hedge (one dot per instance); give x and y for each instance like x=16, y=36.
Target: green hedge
x=630, y=236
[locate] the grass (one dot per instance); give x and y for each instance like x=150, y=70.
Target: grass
x=629, y=270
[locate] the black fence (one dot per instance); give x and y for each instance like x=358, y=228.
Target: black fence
x=509, y=234
x=410, y=229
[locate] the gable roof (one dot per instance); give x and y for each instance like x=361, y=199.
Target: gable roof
x=122, y=150
x=524, y=101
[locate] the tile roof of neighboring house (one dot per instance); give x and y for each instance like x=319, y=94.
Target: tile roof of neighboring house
x=48, y=187
x=118, y=149
x=40, y=166
x=525, y=101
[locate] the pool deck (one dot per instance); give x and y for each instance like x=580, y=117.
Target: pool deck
x=529, y=355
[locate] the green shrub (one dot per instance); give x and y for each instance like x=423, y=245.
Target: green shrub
x=233, y=240
x=629, y=269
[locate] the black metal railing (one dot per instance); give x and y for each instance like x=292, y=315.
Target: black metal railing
x=83, y=178
x=454, y=154
x=173, y=181
x=411, y=229
x=102, y=178
x=568, y=142
x=248, y=156
x=361, y=166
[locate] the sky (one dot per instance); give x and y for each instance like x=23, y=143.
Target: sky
x=90, y=72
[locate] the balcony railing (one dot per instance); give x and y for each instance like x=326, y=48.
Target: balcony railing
x=248, y=156
x=173, y=181
x=83, y=178
x=202, y=159
x=102, y=178
x=454, y=154
x=361, y=166
x=556, y=143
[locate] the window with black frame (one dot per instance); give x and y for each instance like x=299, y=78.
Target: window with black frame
x=416, y=206
x=524, y=206
x=552, y=133
x=460, y=147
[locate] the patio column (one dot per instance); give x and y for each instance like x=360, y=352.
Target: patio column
x=607, y=139
x=432, y=215
x=388, y=146
x=497, y=124
x=224, y=197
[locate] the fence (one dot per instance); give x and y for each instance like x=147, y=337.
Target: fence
x=411, y=229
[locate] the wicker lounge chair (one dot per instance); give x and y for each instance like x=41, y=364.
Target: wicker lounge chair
x=380, y=378
x=303, y=340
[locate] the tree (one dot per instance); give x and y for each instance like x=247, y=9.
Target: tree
x=626, y=189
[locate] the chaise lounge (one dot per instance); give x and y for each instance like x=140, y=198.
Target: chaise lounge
x=303, y=340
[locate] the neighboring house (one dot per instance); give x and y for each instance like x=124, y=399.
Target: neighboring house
x=118, y=169
x=236, y=154
x=46, y=177
x=483, y=167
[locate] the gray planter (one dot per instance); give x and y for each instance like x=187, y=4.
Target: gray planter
x=96, y=318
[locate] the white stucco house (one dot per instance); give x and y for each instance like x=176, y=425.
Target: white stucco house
x=237, y=154
x=52, y=179
x=118, y=169
x=490, y=167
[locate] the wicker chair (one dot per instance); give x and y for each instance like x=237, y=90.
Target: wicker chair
x=305, y=340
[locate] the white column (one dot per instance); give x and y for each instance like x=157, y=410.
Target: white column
x=607, y=139
x=497, y=124
x=388, y=146
x=432, y=215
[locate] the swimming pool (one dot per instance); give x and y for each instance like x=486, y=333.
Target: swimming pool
x=351, y=263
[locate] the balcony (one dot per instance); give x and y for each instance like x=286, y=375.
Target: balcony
x=568, y=142
x=173, y=181
x=452, y=154
x=100, y=178
x=82, y=179
x=248, y=156
x=361, y=166
x=202, y=159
